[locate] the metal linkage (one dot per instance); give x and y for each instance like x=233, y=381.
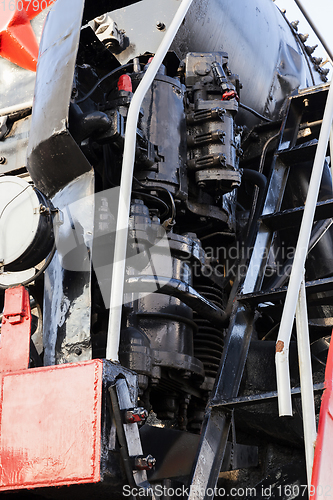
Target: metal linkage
x=126, y=419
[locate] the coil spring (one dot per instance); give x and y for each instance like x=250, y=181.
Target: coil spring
x=208, y=341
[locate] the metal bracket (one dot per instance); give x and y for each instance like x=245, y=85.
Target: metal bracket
x=15, y=330
x=129, y=439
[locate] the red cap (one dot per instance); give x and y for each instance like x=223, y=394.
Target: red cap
x=125, y=83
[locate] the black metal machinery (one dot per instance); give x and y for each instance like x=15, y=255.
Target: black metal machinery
x=208, y=164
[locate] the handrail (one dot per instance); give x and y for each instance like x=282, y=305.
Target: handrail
x=287, y=320
x=305, y=373
x=118, y=270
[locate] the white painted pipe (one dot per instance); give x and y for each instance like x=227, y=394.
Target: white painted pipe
x=16, y=108
x=305, y=371
x=287, y=320
x=118, y=271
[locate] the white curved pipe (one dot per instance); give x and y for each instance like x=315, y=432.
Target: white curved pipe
x=287, y=320
x=118, y=271
x=16, y=108
x=305, y=372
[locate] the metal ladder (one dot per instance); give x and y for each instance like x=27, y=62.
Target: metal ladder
x=307, y=106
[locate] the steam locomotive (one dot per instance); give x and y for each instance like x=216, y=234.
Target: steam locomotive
x=186, y=404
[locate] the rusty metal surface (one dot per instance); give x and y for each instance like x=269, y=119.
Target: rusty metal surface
x=67, y=296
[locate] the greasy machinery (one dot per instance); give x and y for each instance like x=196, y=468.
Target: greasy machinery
x=224, y=146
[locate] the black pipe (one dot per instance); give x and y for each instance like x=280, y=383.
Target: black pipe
x=179, y=289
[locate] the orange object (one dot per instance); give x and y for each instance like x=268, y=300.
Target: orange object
x=125, y=83
x=18, y=42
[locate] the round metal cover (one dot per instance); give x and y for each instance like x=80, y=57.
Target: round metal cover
x=19, y=217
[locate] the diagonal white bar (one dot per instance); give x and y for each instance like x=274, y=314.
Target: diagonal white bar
x=287, y=320
x=118, y=272
x=305, y=370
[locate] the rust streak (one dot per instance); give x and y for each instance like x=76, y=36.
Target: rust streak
x=279, y=346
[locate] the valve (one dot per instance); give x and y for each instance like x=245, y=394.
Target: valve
x=230, y=94
x=125, y=83
x=135, y=415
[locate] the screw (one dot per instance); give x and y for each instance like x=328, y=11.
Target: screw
x=306, y=103
x=78, y=351
x=201, y=184
x=160, y=26
x=3, y=160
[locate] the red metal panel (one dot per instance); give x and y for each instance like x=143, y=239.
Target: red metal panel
x=322, y=474
x=50, y=427
x=15, y=331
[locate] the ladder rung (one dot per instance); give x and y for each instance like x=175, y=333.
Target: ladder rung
x=299, y=154
x=317, y=286
x=293, y=216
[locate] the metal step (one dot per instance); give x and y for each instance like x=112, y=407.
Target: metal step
x=292, y=217
x=311, y=287
x=299, y=154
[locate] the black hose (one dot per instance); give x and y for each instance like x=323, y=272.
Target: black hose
x=255, y=113
x=111, y=73
x=154, y=198
x=163, y=189
x=182, y=291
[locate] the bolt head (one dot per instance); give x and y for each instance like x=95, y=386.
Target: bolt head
x=144, y=463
